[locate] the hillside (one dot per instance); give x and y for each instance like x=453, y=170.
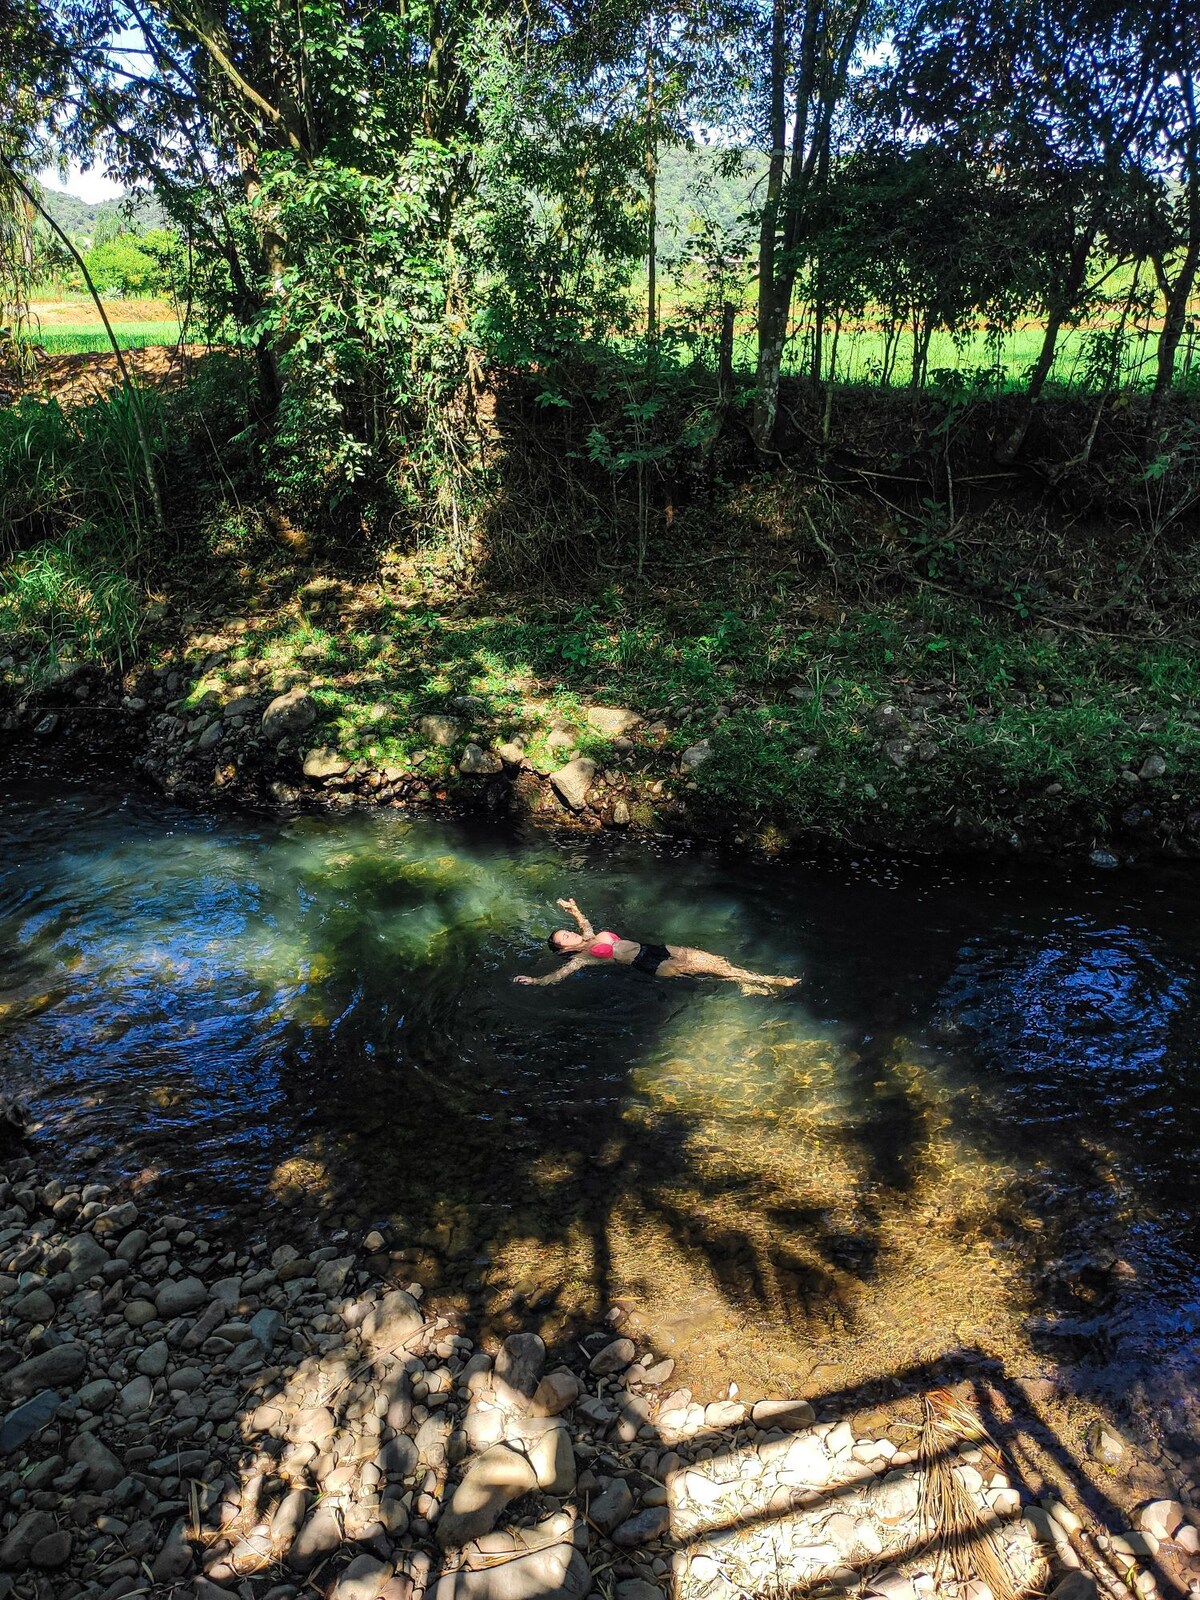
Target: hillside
x=88, y=219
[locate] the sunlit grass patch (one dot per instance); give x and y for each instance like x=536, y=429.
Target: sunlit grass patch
x=85, y=338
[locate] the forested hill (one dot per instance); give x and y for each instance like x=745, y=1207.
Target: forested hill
x=95, y=220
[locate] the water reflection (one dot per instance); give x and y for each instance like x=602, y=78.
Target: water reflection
x=320, y=1013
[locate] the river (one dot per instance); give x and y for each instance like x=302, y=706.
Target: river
x=973, y=1127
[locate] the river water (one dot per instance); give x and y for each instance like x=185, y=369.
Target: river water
x=974, y=1126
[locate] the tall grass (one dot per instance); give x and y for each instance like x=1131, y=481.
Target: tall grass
x=69, y=599
x=74, y=521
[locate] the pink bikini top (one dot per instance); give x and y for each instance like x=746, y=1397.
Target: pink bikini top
x=602, y=946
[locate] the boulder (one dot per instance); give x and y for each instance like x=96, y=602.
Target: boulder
x=571, y=783
x=695, y=755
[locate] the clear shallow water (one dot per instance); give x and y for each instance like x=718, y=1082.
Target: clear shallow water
x=975, y=1125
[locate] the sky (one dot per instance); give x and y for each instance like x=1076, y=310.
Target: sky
x=90, y=186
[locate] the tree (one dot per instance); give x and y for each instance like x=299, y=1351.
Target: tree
x=811, y=59
x=1057, y=95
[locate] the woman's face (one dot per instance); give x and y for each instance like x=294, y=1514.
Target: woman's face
x=565, y=939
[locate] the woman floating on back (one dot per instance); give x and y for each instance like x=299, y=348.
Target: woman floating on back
x=587, y=948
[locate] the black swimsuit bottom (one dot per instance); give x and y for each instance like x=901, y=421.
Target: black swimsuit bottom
x=650, y=957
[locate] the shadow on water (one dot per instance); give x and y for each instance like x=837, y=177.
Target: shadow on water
x=968, y=1129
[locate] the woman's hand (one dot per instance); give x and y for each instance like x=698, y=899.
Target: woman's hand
x=567, y=905
x=523, y=979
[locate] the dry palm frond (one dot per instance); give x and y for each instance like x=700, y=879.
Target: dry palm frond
x=963, y=1546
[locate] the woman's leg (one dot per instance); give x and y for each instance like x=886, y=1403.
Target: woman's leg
x=687, y=963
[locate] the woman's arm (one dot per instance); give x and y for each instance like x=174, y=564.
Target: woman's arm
x=565, y=971
x=585, y=926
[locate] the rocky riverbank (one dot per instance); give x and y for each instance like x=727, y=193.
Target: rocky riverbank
x=764, y=725
x=195, y=1417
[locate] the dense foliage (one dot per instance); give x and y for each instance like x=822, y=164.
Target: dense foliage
x=391, y=206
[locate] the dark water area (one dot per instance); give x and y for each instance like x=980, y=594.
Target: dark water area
x=973, y=1126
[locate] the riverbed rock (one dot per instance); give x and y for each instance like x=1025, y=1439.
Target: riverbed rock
x=480, y=763
x=178, y=1296
x=612, y=721
x=23, y=1421
x=439, y=731
x=612, y=1506
x=557, y=1391
x=103, y=1470
x=51, y=1552
x=1075, y=1586
x=396, y=1318
x=696, y=755
x=289, y=714
x=791, y=1415
x=572, y=782
x=83, y=1257
x=614, y=1357
x=56, y=1368
x=322, y=762
x=29, y=1528
x=643, y=1528
x=493, y=1480
x=320, y=1535
x=518, y=1370
x=557, y=1572
x=1105, y=1444
x=363, y=1579
x=1161, y=1518
x=152, y=1362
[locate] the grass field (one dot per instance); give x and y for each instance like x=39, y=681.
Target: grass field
x=71, y=325
x=68, y=340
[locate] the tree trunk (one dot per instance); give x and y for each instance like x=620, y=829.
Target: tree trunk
x=1176, y=296
x=651, y=193
x=770, y=333
x=725, y=353
x=1067, y=298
